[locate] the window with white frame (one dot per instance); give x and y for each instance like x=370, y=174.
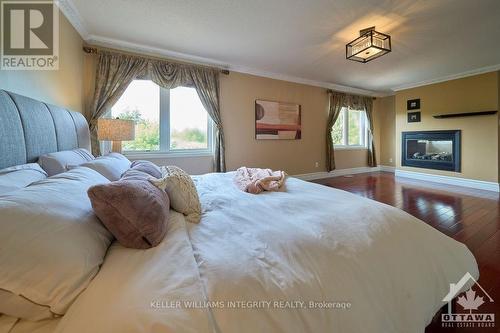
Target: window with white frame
x=169, y=121
x=350, y=129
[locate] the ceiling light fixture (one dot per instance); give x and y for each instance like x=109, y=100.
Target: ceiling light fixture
x=369, y=45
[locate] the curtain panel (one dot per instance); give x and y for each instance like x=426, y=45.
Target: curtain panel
x=337, y=101
x=116, y=71
x=368, y=106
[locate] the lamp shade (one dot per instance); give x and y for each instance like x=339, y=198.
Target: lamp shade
x=115, y=129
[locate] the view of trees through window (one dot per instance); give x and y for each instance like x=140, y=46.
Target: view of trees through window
x=349, y=129
x=188, y=120
x=338, y=130
x=146, y=104
x=354, y=128
x=147, y=131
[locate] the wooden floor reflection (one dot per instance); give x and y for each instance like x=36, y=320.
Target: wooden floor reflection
x=467, y=215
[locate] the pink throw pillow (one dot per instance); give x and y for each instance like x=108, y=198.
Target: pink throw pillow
x=133, y=210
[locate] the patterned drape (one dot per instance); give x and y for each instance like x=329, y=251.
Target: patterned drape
x=113, y=75
x=368, y=106
x=336, y=104
x=115, y=71
x=338, y=101
x=206, y=81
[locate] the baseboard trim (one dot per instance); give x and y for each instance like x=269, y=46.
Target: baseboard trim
x=387, y=168
x=464, y=182
x=336, y=173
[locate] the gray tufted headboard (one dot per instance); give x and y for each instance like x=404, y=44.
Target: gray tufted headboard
x=30, y=128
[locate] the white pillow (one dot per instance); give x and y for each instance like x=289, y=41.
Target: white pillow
x=55, y=163
x=20, y=176
x=111, y=166
x=52, y=244
x=181, y=191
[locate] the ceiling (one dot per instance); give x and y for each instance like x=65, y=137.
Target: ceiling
x=304, y=40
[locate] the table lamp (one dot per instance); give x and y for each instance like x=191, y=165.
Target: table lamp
x=116, y=130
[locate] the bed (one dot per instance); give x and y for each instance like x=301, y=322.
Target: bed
x=308, y=258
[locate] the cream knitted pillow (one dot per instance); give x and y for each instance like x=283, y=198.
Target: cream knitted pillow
x=181, y=191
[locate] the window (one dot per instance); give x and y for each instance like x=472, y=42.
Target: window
x=167, y=121
x=350, y=129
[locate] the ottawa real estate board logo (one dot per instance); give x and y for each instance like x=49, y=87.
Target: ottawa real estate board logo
x=468, y=313
x=29, y=35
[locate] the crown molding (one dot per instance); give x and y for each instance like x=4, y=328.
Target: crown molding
x=146, y=49
x=151, y=50
x=314, y=83
x=69, y=10
x=473, y=72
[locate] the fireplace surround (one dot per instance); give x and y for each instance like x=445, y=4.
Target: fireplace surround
x=438, y=150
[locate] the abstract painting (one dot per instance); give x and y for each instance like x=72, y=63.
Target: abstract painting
x=277, y=121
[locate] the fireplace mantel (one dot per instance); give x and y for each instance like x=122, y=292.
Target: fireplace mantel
x=465, y=114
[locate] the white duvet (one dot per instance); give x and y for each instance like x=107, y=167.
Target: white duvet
x=268, y=262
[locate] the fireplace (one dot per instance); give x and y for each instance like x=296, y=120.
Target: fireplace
x=432, y=150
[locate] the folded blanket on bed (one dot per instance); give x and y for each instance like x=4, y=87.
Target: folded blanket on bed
x=255, y=180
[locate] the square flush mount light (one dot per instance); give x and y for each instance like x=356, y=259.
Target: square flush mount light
x=368, y=46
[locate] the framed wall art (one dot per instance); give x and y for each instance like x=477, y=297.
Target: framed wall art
x=277, y=120
x=413, y=104
x=413, y=117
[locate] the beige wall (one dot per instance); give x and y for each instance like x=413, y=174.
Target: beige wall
x=351, y=158
x=238, y=94
x=89, y=68
x=61, y=87
x=479, y=134
x=386, y=117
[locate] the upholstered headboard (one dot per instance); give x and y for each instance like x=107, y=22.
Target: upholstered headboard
x=30, y=128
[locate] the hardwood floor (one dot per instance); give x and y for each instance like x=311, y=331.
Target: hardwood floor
x=467, y=215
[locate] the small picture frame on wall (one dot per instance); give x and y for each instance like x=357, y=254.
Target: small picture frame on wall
x=413, y=104
x=414, y=117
